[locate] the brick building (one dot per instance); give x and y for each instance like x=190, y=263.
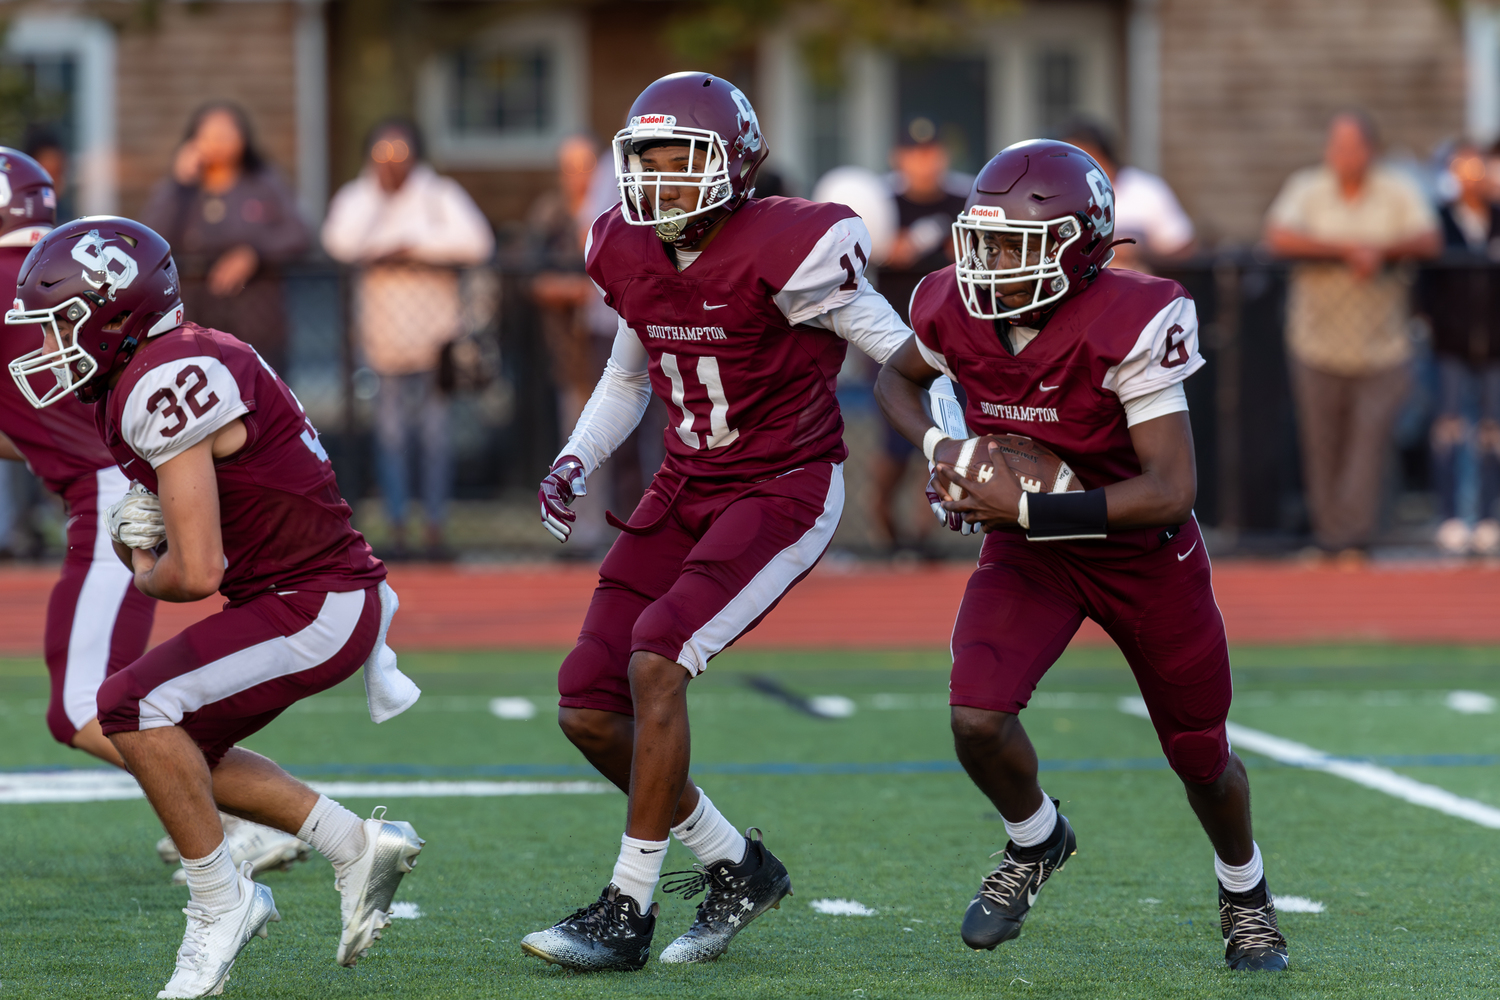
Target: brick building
x=1224, y=97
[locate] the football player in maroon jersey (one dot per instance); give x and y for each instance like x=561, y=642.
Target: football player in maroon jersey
x=230, y=475
x=737, y=312
x=96, y=621
x=1050, y=344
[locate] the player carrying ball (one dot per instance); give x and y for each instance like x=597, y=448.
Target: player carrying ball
x=737, y=312
x=233, y=493
x=1089, y=361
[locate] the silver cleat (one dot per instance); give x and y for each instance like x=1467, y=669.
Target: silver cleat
x=368, y=884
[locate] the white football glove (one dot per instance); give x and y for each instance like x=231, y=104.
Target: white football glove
x=135, y=519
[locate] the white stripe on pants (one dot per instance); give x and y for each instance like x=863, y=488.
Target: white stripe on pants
x=104, y=587
x=767, y=586
x=265, y=661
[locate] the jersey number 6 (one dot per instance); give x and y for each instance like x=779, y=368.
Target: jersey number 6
x=720, y=434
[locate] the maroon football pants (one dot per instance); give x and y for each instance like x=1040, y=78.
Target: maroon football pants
x=1027, y=599
x=226, y=677
x=711, y=560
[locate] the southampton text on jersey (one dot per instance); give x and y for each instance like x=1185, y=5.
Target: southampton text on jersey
x=687, y=332
x=1021, y=414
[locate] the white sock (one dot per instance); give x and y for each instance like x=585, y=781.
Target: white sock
x=213, y=881
x=709, y=835
x=639, y=868
x=1240, y=878
x=334, y=832
x=1032, y=831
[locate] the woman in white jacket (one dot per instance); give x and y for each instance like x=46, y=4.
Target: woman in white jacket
x=409, y=230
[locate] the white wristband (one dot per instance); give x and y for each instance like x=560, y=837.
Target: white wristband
x=1023, y=516
x=930, y=440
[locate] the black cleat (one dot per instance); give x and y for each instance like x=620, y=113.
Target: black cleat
x=608, y=935
x=737, y=894
x=1006, y=894
x=1252, y=941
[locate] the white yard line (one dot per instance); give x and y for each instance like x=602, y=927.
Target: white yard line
x=100, y=786
x=1382, y=779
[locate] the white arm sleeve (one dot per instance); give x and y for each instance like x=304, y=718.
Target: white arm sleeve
x=867, y=321
x=177, y=405
x=1165, y=352
x=830, y=276
x=616, y=405
x=1172, y=399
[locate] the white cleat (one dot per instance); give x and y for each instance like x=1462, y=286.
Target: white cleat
x=214, y=940
x=368, y=884
x=264, y=847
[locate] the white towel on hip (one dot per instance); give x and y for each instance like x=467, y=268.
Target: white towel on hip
x=389, y=691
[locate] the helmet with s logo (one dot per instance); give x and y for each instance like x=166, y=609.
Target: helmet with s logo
x=28, y=201
x=97, y=286
x=709, y=116
x=1062, y=206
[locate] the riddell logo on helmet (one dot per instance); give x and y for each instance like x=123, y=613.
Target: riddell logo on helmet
x=667, y=120
x=987, y=212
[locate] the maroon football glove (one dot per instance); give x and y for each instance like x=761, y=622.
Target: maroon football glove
x=563, y=485
x=953, y=520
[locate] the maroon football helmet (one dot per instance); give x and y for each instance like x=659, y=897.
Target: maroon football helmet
x=1060, y=202
x=703, y=113
x=77, y=283
x=28, y=203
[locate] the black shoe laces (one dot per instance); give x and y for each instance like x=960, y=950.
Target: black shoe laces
x=601, y=920
x=720, y=901
x=693, y=881
x=1252, y=928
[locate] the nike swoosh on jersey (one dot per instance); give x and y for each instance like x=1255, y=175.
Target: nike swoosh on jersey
x=709, y=308
x=1188, y=552
x=1048, y=388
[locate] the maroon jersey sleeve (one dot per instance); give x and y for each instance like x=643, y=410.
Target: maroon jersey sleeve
x=928, y=303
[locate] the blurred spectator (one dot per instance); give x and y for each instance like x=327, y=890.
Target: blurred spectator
x=1462, y=301
x=44, y=145
x=1146, y=210
x=929, y=197
x=409, y=229
x=559, y=225
x=1346, y=223
x=231, y=222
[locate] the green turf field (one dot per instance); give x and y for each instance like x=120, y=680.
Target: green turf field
x=1412, y=897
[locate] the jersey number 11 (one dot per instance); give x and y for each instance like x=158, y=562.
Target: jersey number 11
x=720, y=434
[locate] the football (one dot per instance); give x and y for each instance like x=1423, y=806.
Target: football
x=1036, y=466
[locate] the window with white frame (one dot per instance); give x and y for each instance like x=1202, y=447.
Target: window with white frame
x=507, y=98
x=57, y=82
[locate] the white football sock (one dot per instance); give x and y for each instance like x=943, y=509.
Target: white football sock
x=1240, y=878
x=639, y=868
x=213, y=881
x=334, y=832
x=1032, y=831
x=709, y=835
